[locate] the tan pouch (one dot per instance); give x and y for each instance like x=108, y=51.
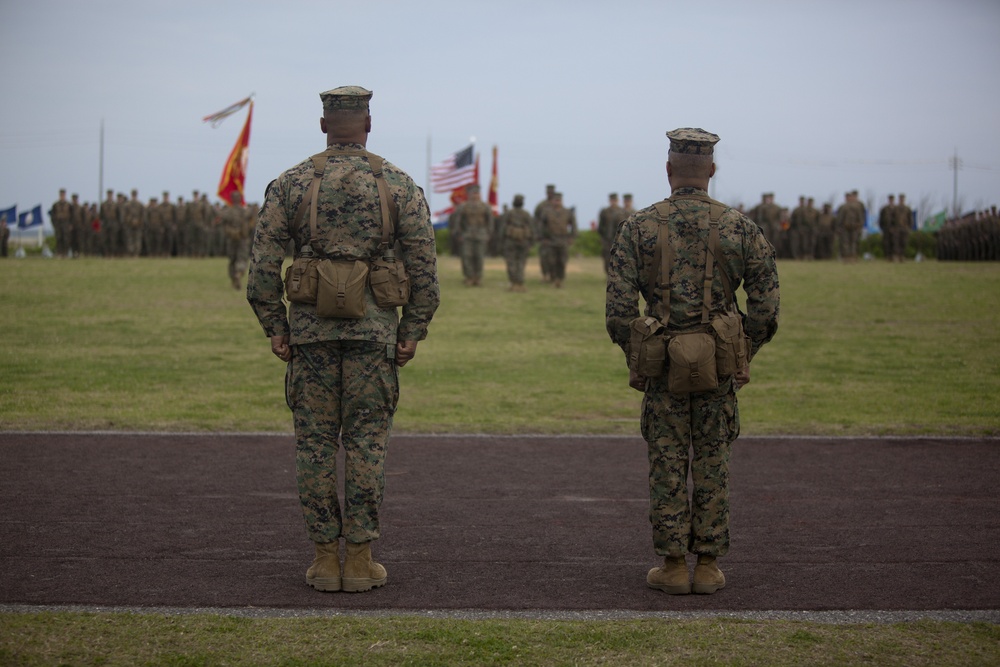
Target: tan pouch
x=647, y=347
x=301, y=280
x=692, y=363
x=730, y=344
x=516, y=233
x=341, y=288
x=389, y=282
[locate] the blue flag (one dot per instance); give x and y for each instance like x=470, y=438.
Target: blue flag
x=9, y=215
x=30, y=218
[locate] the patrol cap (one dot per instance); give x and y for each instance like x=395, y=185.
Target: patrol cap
x=692, y=140
x=518, y=200
x=345, y=97
x=472, y=188
x=627, y=195
x=613, y=195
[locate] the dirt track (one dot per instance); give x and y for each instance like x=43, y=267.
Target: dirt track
x=496, y=523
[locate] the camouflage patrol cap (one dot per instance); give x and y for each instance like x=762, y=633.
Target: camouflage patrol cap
x=692, y=140
x=345, y=97
x=627, y=195
x=518, y=200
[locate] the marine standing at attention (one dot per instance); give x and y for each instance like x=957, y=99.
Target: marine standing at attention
x=518, y=237
x=474, y=224
x=342, y=381
x=685, y=257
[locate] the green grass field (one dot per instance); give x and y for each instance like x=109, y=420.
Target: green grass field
x=167, y=345
x=871, y=348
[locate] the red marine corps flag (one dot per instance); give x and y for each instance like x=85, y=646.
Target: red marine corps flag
x=235, y=172
x=493, y=199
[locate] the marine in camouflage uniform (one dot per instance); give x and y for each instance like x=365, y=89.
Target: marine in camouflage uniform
x=544, y=247
x=133, y=215
x=342, y=375
x=558, y=230
x=109, y=225
x=705, y=422
x=473, y=224
x=849, y=222
x=886, y=221
x=61, y=217
x=767, y=215
x=901, y=229
x=607, y=226
x=518, y=236
x=234, y=223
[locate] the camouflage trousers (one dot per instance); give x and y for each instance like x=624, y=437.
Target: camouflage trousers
x=689, y=432
x=515, y=256
x=473, y=255
x=238, y=252
x=342, y=393
x=558, y=258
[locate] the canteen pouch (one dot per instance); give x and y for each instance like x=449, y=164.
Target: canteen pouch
x=730, y=344
x=517, y=233
x=647, y=347
x=301, y=280
x=389, y=282
x=691, y=364
x=341, y=288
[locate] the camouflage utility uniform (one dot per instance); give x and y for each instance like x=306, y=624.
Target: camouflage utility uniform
x=518, y=232
x=473, y=224
x=342, y=382
x=708, y=421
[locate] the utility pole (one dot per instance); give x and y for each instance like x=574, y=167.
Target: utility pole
x=955, y=163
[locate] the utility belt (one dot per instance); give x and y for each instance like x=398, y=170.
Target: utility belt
x=337, y=285
x=693, y=360
x=696, y=359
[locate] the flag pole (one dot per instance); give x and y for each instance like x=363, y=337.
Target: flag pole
x=100, y=168
x=427, y=175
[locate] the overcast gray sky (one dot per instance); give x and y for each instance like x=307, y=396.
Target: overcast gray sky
x=810, y=98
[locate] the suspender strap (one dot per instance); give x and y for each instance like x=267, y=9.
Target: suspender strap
x=384, y=199
x=706, y=303
x=663, y=258
x=319, y=166
x=387, y=205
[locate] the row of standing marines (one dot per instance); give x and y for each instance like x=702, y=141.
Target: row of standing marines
x=126, y=227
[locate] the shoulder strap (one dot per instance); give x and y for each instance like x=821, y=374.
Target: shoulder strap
x=319, y=166
x=663, y=257
x=390, y=214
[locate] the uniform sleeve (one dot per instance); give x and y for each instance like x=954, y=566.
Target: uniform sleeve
x=264, y=284
x=416, y=238
x=760, y=282
x=622, y=296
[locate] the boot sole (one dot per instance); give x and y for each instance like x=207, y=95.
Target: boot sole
x=325, y=584
x=361, y=585
x=671, y=590
x=706, y=589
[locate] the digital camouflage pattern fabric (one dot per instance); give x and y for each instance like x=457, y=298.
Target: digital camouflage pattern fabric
x=706, y=421
x=350, y=227
x=329, y=384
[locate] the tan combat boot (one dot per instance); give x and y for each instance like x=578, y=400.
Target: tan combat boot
x=672, y=578
x=324, y=573
x=708, y=578
x=361, y=573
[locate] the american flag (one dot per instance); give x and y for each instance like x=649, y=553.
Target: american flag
x=455, y=171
